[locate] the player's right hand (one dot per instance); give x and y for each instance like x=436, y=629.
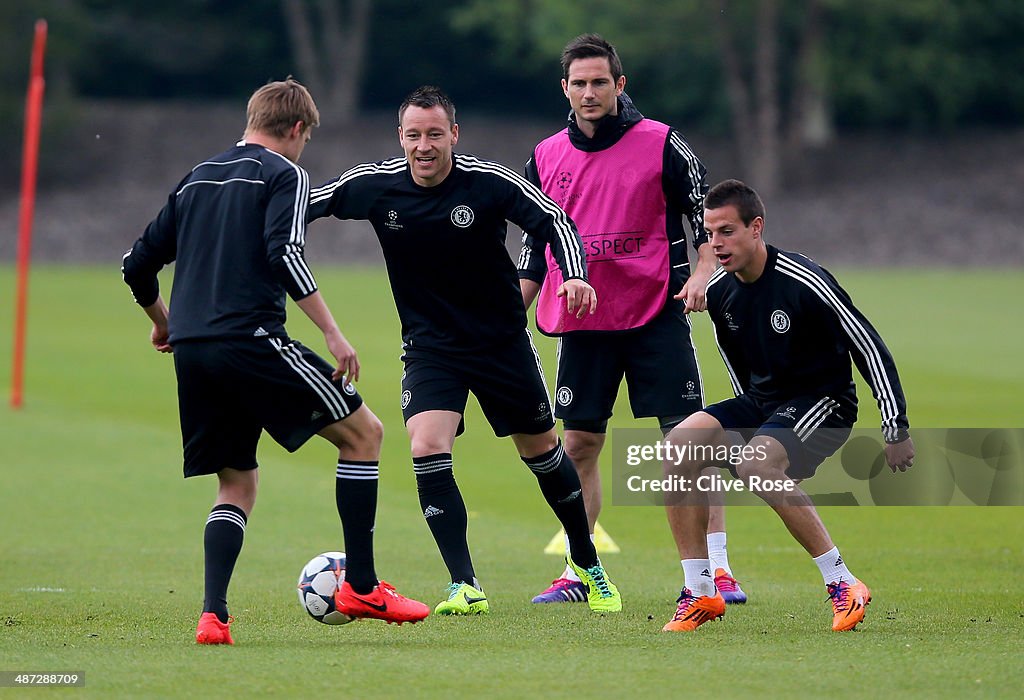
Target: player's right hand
x=580, y=297
x=345, y=354
x=900, y=455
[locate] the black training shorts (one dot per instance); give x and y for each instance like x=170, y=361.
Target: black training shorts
x=507, y=380
x=810, y=428
x=231, y=390
x=658, y=361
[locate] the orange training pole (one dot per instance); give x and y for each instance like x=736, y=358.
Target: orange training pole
x=29, y=163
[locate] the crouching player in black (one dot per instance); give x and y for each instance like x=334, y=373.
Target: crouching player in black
x=441, y=221
x=236, y=227
x=786, y=331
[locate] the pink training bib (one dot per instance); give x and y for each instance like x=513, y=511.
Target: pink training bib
x=616, y=198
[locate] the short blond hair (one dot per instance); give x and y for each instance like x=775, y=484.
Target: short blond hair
x=275, y=107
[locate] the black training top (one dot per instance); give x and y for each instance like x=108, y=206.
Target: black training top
x=792, y=332
x=455, y=286
x=236, y=225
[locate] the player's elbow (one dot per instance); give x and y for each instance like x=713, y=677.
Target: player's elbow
x=140, y=280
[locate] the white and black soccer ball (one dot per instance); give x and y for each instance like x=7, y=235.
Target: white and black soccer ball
x=318, y=581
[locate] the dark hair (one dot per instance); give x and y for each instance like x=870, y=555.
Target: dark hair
x=740, y=195
x=275, y=107
x=427, y=96
x=591, y=46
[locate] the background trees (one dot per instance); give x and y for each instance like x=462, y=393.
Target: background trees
x=776, y=76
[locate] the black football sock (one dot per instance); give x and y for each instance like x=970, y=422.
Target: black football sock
x=355, y=490
x=561, y=487
x=445, y=512
x=222, y=541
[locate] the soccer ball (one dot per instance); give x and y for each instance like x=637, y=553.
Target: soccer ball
x=318, y=581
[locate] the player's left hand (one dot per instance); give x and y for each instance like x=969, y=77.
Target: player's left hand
x=900, y=455
x=158, y=337
x=579, y=297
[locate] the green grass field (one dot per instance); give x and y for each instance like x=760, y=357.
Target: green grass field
x=101, y=547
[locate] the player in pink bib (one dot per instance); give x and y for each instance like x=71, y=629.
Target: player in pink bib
x=628, y=182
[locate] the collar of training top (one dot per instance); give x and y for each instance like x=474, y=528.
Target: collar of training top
x=610, y=129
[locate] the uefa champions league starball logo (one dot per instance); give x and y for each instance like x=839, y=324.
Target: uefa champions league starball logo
x=564, y=179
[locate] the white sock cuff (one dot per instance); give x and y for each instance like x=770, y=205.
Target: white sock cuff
x=698, y=576
x=833, y=568
x=717, y=552
x=360, y=471
x=229, y=515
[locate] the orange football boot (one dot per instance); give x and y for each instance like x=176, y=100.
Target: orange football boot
x=849, y=602
x=694, y=611
x=211, y=630
x=382, y=603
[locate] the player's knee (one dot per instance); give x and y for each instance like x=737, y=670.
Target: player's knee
x=583, y=447
x=373, y=432
x=358, y=436
x=423, y=445
x=367, y=441
x=698, y=428
x=770, y=468
x=530, y=446
x=693, y=445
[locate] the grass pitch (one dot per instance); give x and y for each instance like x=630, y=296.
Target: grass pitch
x=101, y=547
